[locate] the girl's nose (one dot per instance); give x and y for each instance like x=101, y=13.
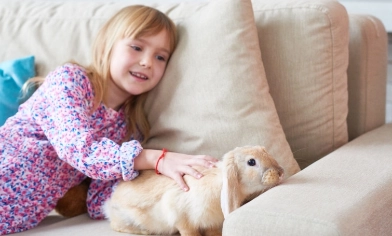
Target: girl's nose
x=145, y=62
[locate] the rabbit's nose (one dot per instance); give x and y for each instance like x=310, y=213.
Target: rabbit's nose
x=272, y=177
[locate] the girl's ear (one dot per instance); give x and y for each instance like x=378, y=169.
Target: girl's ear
x=231, y=196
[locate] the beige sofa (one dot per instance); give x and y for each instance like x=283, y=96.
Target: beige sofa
x=326, y=73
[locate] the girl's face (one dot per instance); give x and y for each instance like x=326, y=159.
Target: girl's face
x=136, y=66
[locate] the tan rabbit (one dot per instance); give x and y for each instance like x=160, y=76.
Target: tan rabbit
x=154, y=204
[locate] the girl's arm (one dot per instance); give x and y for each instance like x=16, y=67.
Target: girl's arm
x=62, y=107
x=64, y=116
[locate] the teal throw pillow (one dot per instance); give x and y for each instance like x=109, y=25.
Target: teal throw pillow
x=13, y=74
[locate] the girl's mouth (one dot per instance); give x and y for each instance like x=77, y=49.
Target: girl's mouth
x=139, y=75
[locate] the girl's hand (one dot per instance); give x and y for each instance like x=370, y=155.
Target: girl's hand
x=176, y=165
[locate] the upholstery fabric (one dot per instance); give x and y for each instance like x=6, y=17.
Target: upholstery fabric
x=355, y=180
x=79, y=225
x=300, y=45
x=76, y=24
x=13, y=74
x=214, y=95
x=305, y=55
x=366, y=74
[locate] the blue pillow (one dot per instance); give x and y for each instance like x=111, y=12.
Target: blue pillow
x=13, y=74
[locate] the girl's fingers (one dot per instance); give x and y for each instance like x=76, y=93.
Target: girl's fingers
x=184, y=167
x=208, y=158
x=180, y=181
x=179, y=177
x=202, y=162
x=192, y=172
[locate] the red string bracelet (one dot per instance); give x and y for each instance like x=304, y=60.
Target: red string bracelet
x=161, y=157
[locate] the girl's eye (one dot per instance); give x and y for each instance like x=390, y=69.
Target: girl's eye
x=161, y=58
x=136, y=48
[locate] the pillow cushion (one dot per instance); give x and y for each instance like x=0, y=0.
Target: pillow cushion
x=214, y=95
x=304, y=47
x=13, y=74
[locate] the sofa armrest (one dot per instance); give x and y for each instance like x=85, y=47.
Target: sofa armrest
x=367, y=74
x=347, y=192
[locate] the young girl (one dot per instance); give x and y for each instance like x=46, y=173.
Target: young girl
x=90, y=122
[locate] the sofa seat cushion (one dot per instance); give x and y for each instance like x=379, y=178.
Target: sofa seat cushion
x=79, y=225
x=347, y=192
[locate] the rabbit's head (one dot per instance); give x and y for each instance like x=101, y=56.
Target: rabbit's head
x=247, y=171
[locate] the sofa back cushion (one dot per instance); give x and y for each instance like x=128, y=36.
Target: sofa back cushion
x=367, y=73
x=304, y=46
x=214, y=95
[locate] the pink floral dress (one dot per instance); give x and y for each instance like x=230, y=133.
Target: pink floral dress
x=53, y=143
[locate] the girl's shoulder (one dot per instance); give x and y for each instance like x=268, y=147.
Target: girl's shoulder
x=70, y=78
x=70, y=73
x=73, y=66
x=71, y=69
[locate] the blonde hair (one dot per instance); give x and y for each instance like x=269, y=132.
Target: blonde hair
x=130, y=22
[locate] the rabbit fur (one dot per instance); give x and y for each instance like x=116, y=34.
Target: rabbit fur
x=154, y=204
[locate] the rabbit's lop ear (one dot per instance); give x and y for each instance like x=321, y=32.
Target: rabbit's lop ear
x=231, y=196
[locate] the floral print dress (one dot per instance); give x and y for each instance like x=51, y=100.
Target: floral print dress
x=53, y=143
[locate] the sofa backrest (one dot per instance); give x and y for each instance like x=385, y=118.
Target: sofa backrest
x=304, y=47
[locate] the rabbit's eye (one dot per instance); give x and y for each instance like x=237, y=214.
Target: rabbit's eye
x=251, y=162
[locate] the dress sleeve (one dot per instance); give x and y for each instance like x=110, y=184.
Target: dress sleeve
x=66, y=112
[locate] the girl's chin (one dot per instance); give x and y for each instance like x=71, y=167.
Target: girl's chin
x=134, y=93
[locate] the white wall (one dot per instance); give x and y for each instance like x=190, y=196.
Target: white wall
x=382, y=9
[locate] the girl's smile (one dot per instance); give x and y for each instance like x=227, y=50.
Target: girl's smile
x=139, y=75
